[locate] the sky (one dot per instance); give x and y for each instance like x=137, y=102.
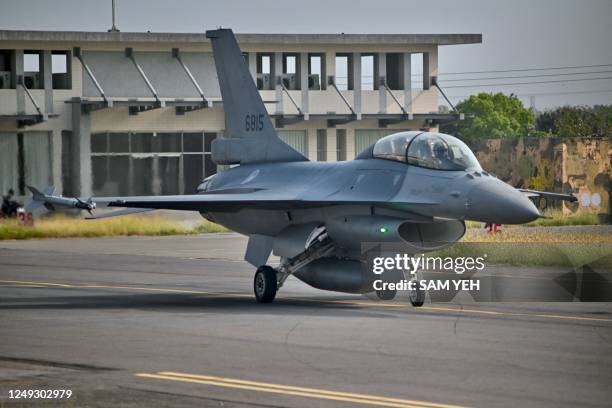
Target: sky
x=517, y=35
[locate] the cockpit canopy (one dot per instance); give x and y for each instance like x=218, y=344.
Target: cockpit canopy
x=424, y=149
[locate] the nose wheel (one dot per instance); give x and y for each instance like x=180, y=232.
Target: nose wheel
x=417, y=295
x=265, y=284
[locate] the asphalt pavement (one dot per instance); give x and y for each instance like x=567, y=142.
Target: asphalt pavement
x=171, y=321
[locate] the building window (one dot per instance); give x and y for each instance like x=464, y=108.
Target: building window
x=32, y=70
x=150, y=163
x=416, y=68
x=68, y=182
x=265, y=71
x=367, y=72
x=316, y=77
x=321, y=144
x=344, y=71
x=119, y=142
x=169, y=142
x=61, y=70
x=9, y=167
x=340, y=144
x=210, y=167
x=25, y=160
x=7, y=78
x=192, y=142
x=296, y=139
x=290, y=76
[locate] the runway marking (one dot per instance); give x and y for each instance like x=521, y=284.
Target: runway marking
x=39, y=284
x=293, y=390
x=27, y=284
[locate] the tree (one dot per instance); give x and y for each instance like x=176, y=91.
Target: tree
x=577, y=121
x=495, y=116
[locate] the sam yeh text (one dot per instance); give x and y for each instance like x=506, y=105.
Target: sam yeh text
x=424, y=284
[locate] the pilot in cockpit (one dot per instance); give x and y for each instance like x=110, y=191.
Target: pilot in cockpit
x=442, y=156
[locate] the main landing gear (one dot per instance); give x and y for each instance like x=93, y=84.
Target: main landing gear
x=269, y=280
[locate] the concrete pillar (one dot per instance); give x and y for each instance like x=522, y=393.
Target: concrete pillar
x=311, y=134
x=332, y=147
x=47, y=74
x=330, y=66
x=181, y=175
x=426, y=81
x=350, y=144
x=432, y=66
x=18, y=65
x=156, y=185
x=278, y=70
x=56, y=160
x=357, y=84
x=81, y=133
x=407, y=81
x=379, y=78
x=303, y=70
x=253, y=65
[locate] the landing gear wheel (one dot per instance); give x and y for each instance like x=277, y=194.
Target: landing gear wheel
x=417, y=297
x=386, y=294
x=265, y=284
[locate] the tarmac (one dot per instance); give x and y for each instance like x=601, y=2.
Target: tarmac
x=171, y=321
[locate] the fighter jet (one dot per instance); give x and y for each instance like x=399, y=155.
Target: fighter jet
x=412, y=188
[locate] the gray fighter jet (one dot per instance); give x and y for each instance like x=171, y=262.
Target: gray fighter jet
x=414, y=188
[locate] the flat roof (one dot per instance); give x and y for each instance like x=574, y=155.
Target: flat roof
x=91, y=36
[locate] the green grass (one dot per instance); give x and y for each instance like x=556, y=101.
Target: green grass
x=129, y=225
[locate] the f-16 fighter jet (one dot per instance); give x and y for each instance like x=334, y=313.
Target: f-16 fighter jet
x=411, y=188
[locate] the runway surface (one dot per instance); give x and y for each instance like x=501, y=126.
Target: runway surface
x=171, y=321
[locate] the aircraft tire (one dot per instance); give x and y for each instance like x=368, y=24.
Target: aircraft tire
x=417, y=297
x=265, y=284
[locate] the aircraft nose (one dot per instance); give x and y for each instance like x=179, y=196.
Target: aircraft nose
x=496, y=202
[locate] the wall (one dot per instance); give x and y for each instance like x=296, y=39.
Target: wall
x=554, y=164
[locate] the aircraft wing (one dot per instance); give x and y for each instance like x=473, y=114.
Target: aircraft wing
x=261, y=199
x=225, y=200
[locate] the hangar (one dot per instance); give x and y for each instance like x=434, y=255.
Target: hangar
x=118, y=113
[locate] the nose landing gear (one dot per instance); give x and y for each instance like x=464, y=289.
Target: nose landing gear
x=417, y=295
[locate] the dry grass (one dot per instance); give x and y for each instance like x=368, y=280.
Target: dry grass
x=129, y=225
x=516, y=235
x=528, y=247
x=555, y=218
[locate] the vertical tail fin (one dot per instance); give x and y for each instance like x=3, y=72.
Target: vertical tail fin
x=252, y=137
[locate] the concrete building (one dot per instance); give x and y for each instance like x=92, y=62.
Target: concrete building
x=135, y=113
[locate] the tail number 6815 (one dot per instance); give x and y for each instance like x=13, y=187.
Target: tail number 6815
x=254, y=123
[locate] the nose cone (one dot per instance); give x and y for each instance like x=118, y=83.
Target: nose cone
x=496, y=202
